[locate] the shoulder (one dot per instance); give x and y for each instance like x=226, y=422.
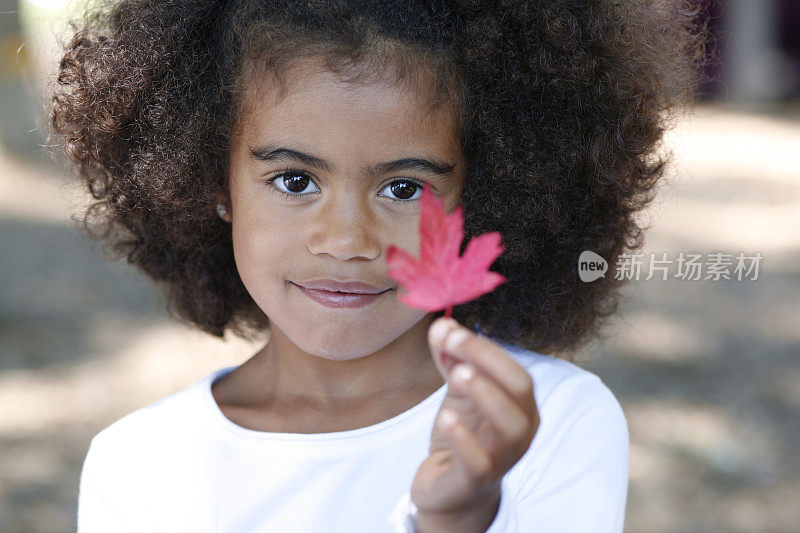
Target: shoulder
x=159, y=417
x=142, y=438
x=560, y=384
x=582, y=428
x=579, y=456
x=157, y=441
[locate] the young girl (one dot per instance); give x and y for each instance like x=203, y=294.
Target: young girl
x=257, y=158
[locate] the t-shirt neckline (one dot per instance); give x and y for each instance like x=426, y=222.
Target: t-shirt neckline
x=345, y=436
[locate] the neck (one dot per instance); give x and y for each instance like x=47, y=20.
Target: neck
x=284, y=372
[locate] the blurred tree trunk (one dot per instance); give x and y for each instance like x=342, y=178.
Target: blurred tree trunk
x=9, y=17
x=18, y=106
x=753, y=61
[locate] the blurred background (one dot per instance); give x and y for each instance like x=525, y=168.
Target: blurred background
x=706, y=370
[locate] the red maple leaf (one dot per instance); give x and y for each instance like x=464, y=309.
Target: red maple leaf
x=440, y=279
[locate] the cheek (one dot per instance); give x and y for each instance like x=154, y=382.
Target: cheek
x=409, y=241
x=261, y=248
x=403, y=234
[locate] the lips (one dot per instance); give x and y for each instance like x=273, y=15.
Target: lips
x=350, y=287
x=340, y=299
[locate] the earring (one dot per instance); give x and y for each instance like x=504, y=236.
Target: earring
x=221, y=210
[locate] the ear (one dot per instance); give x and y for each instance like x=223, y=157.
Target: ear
x=220, y=197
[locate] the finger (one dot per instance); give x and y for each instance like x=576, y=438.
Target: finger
x=488, y=357
x=437, y=332
x=512, y=424
x=475, y=462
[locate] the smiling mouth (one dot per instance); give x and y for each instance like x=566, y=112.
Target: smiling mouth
x=356, y=293
x=341, y=287
x=341, y=299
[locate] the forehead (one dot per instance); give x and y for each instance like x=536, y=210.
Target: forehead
x=313, y=105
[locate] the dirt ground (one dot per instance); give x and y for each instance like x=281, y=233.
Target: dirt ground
x=707, y=371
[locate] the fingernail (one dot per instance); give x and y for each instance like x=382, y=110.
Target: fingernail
x=462, y=372
x=439, y=331
x=447, y=418
x=455, y=338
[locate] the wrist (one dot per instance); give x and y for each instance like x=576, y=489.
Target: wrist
x=475, y=519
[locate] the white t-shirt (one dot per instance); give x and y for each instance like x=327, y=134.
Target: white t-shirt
x=180, y=465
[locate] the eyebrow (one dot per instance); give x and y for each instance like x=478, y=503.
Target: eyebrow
x=434, y=166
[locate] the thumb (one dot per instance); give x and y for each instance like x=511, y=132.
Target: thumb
x=437, y=333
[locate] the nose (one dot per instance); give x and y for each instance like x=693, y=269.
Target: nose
x=345, y=230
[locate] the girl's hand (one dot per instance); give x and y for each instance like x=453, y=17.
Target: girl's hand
x=458, y=486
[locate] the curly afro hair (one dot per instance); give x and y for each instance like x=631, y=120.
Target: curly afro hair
x=562, y=105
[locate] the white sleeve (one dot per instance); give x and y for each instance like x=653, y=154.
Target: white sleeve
x=580, y=481
x=95, y=514
x=404, y=515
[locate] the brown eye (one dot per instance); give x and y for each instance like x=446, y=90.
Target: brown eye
x=405, y=190
x=294, y=182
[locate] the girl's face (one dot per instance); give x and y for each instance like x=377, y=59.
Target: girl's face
x=313, y=195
